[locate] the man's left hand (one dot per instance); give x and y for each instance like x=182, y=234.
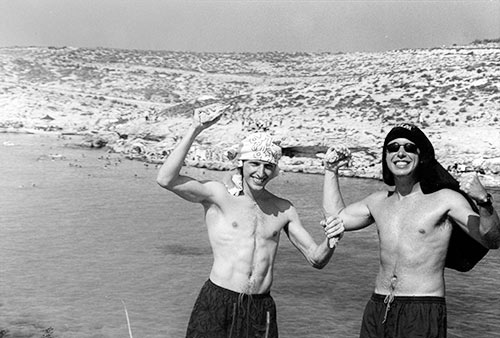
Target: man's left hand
x=471, y=185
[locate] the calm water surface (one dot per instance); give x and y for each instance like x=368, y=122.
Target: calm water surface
x=81, y=231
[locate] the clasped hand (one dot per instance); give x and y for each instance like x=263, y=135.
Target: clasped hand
x=334, y=227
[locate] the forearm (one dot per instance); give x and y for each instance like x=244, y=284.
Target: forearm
x=170, y=169
x=489, y=223
x=333, y=202
x=490, y=226
x=322, y=255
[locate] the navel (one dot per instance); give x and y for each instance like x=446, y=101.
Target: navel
x=275, y=233
x=422, y=231
x=234, y=224
x=394, y=281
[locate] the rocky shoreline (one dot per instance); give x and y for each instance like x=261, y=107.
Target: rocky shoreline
x=138, y=103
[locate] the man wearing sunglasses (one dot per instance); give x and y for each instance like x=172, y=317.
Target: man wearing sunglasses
x=427, y=222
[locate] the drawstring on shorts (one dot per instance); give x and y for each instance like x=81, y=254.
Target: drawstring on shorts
x=389, y=298
x=232, y=321
x=268, y=323
x=239, y=305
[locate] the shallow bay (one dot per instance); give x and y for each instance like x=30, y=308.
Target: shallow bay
x=83, y=230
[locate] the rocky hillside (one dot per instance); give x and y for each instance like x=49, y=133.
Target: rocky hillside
x=140, y=102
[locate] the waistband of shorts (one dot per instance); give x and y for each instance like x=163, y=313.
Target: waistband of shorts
x=237, y=294
x=376, y=297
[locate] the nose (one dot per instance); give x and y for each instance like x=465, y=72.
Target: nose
x=401, y=152
x=260, y=169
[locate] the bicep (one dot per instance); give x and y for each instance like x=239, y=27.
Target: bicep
x=356, y=216
x=297, y=234
x=462, y=214
x=193, y=190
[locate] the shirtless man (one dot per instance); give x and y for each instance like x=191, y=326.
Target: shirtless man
x=414, y=224
x=244, y=227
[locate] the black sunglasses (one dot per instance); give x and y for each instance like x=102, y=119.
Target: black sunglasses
x=408, y=147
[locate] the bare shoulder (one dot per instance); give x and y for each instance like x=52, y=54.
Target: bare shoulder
x=217, y=190
x=216, y=185
x=445, y=195
x=377, y=196
x=369, y=202
x=278, y=205
x=280, y=202
x=450, y=197
x=448, y=193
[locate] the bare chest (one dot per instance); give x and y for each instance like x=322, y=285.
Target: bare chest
x=414, y=219
x=247, y=220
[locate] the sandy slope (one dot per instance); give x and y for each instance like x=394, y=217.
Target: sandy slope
x=139, y=102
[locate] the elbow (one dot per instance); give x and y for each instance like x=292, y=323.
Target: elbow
x=320, y=260
x=319, y=264
x=164, y=183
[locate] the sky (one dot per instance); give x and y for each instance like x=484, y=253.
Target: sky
x=248, y=25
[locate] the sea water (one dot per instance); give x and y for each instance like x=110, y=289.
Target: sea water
x=86, y=235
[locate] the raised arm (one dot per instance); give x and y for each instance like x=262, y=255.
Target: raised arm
x=485, y=226
x=333, y=202
x=334, y=158
x=169, y=177
x=354, y=216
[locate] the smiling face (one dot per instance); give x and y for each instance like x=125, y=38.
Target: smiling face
x=402, y=157
x=256, y=173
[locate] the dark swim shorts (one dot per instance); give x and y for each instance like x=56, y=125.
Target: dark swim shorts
x=406, y=317
x=222, y=313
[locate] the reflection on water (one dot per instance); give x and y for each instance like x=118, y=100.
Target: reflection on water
x=83, y=230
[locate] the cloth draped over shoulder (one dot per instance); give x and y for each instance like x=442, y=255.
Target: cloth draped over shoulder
x=464, y=252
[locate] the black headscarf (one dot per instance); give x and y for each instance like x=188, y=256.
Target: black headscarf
x=463, y=251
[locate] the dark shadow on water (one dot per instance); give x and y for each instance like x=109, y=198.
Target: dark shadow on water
x=182, y=250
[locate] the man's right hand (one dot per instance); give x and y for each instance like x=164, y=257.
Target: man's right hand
x=207, y=116
x=336, y=157
x=334, y=229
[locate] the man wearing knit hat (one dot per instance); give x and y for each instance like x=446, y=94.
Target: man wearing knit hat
x=428, y=222
x=244, y=227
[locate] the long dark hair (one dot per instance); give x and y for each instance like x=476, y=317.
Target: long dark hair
x=463, y=251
